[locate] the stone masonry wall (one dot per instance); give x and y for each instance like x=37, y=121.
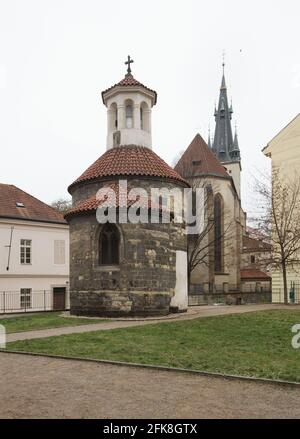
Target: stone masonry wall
x=144, y=281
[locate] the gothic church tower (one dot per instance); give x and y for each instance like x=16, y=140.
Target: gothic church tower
x=225, y=146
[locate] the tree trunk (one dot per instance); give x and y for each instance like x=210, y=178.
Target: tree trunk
x=189, y=279
x=285, y=286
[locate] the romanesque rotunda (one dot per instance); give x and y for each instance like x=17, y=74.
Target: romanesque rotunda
x=121, y=267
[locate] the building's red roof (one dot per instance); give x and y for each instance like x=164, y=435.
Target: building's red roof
x=119, y=200
x=11, y=200
x=255, y=245
x=198, y=159
x=129, y=81
x=254, y=274
x=129, y=160
x=257, y=233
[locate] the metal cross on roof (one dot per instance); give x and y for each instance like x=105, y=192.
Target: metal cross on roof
x=223, y=57
x=128, y=62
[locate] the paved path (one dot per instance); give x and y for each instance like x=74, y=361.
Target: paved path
x=39, y=387
x=195, y=312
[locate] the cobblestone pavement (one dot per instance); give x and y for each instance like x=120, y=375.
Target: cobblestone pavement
x=193, y=313
x=39, y=387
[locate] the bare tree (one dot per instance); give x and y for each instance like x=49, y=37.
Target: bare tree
x=62, y=205
x=280, y=219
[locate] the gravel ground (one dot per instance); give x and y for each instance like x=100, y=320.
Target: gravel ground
x=39, y=387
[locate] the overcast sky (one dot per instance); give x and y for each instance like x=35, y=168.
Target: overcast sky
x=57, y=56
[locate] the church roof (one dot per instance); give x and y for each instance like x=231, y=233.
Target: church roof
x=252, y=245
x=129, y=160
x=17, y=204
x=129, y=81
x=199, y=160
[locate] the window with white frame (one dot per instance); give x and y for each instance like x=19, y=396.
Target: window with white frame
x=25, y=298
x=25, y=251
x=59, y=252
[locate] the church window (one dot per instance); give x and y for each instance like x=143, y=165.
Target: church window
x=141, y=117
x=113, y=117
x=218, y=228
x=252, y=259
x=109, y=245
x=144, y=117
x=116, y=118
x=129, y=116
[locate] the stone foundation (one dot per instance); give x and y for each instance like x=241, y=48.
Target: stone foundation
x=119, y=304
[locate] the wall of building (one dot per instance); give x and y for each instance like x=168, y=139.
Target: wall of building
x=277, y=284
x=284, y=151
x=233, y=224
x=234, y=170
x=255, y=286
x=42, y=274
x=262, y=260
x=145, y=280
x=41, y=293
x=128, y=136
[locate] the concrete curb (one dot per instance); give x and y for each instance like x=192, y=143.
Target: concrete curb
x=269, y=381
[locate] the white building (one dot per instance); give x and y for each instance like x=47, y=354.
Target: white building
x=284, y=151
x=34, y=254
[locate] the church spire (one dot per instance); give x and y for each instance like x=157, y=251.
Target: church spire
x=209, y=139
x=223, y=84
x=236, y=148
x=223, y=144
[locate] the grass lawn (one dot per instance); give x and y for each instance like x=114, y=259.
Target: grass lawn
x=42, y=321
x=254, y=344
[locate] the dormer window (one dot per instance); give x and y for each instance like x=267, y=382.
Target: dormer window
x=19, y=204
x=129, y=116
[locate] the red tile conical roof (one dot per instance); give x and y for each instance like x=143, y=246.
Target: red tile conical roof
x=129, y=160
x=129, y=81
x=198, y=159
